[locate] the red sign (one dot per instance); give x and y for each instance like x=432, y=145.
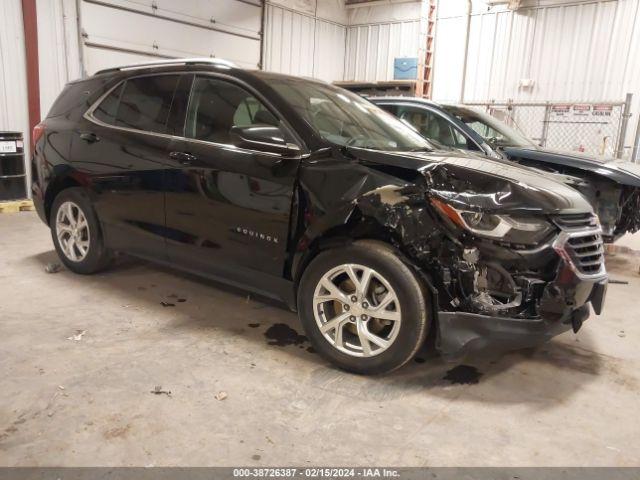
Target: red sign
x=603, y=110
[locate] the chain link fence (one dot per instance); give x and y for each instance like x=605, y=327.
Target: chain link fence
x=595, y=128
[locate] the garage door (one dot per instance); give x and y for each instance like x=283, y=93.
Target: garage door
x=120, y=32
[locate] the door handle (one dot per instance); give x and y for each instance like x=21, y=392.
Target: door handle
x=183, y=157
x=89, y=137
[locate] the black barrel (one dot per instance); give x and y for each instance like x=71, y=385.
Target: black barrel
x=12, y=173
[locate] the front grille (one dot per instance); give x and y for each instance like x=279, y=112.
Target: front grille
x=582, y=239
x=587, y=253
x=577, y=221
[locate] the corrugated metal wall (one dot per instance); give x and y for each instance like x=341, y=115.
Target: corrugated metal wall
x=570, y=51
x=371, y=49
x=14, y=114
x=323, y=39
x=58, y=48
x=584, y=50
x=379, y=34
x=301, y=43
x=13, y=82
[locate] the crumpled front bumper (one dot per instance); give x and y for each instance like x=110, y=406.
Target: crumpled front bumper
x=564, y=305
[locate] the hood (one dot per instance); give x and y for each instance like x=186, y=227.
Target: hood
x=483, y=184
x=620, y=171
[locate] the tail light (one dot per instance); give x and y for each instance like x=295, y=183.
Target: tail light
x=38, y=131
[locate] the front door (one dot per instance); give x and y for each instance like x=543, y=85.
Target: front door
x=227, y=208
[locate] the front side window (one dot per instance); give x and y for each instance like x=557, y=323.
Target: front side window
x=492, y=130
x=216, y=106
x=344, y=118
x=139, y=103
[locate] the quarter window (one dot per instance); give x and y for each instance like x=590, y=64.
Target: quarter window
x=108, y=108
x=216, y=106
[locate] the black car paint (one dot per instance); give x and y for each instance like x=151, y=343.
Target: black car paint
x=153, y=204
x=611, y=186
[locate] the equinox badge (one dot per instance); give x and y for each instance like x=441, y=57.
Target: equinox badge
x=250, y=233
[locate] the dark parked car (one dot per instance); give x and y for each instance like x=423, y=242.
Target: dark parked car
x=611, y=186
x=309, y=194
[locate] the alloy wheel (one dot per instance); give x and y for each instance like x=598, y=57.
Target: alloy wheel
x=72, y=230
x=357, y=310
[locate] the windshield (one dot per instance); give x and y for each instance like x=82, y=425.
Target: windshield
x=345, y=119
x=494, y=132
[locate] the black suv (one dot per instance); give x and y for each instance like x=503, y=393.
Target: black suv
x=307, y=193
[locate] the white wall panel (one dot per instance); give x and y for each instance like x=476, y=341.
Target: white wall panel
x=298, y=43
x=329, y=51
x=571, y=50
x=174, y=29
x=371, y=49
x=384, y=13
x=377, y=35
x=289, y=42
x=14, y=113
x=232, y=15
x=331, y=10
x=574, y=51
x=59, y=60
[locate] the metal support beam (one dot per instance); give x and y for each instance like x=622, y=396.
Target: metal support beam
x=626, y=114
x=635, y=154
x=465, y=57
x=30, y=23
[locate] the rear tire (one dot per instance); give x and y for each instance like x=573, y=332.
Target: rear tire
x=76, y=233
x=363, y=308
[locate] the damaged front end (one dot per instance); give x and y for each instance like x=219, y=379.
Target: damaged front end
x=505, y=268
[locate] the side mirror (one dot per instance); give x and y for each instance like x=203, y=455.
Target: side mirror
x=264, y=138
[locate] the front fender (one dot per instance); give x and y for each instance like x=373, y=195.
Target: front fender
x=397, y=214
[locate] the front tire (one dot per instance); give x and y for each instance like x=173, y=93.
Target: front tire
x=76, y=232
x=363, y=308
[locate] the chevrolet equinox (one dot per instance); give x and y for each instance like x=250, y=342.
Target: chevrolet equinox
x=304, y=192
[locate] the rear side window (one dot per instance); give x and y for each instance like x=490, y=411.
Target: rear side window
x=146, y=102
x=140, y=103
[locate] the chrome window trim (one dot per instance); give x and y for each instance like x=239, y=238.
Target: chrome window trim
x=88, y=115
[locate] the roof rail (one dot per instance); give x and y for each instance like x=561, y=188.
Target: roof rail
x=169, y=62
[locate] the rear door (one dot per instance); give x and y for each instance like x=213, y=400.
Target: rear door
x=120, y=151
x=228, y=208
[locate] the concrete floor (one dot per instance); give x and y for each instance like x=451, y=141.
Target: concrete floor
x=84, y=402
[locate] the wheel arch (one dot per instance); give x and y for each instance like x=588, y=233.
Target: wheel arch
x=54, y=189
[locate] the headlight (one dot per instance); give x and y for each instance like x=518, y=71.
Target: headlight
x=506, y=228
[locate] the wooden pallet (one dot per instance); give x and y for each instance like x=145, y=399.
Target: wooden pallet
x=16, y=206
